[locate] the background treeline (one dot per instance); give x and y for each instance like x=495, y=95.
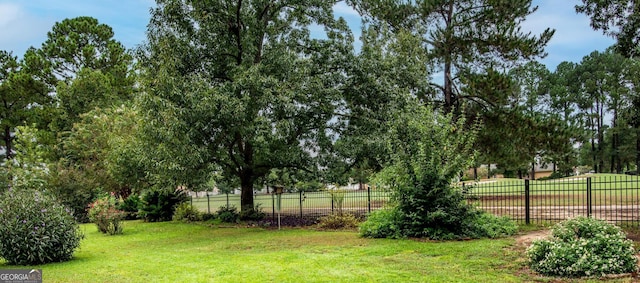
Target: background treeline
x=242, y=94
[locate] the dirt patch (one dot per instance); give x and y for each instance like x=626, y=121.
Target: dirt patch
x=525, y=240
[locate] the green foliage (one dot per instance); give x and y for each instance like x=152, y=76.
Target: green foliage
x=28, y=168
x=187, y=213
x=429, y=150
x=131, y=206
x=73, y=189
x=337, y=198
x=252, y=214
x=159, y=205
x=583, y=247
x=383, y=223
x=208, y=216
x=105, y=214
x=615, y=18
x=553, y=176
x=309, y=186
x=490, y=226
x=23, y=94
x=36, y=228
x=267, y=95
x=228, y=214
x=336, y=221
x=84, y=43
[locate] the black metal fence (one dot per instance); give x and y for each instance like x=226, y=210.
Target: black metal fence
x=612, y=198
x=302, y=204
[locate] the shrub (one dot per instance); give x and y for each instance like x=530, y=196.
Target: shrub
x=490, y=226
x=228, y=214
x=208, y=216
x=255, y=214
x=159, y=205
x=73, y=189
x=187, y=213
x=338, y=221
x=36, y=228
x=583, y=247
x=130, y=206
x=382, y=224
x=104, y=213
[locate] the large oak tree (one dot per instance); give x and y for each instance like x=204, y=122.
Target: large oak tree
x=241, y=87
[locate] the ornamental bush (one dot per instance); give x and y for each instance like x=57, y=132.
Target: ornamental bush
x=583, y=247
x=35, y=228
x=228, y=214
x=187, y=213
x=105, y=214
x=159, y=205
x=336, y=221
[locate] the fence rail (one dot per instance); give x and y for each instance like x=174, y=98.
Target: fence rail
x=302, y=204
x=612, y=198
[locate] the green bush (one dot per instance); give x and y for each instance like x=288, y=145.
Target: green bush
x=208, y=216
x=228, y=214
x=130, y=206
x=73, y=189
x=159, y=205
x=255, y=214
x=187, y=213
x=382, y=224
x=553, y=176
x=490, y=226
x=107, y=217
x=36, y=228
x=338, y=221
x=583, y=247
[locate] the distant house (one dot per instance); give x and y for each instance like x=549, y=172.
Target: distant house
x=541, y=171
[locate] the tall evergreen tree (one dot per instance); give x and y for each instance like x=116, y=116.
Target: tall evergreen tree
x=21, y=95
x=464, y=38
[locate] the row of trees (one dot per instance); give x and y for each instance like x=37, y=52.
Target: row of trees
x=243, y=94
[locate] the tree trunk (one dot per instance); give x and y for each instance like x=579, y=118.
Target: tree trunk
x=533, y=171
x=246, y=191
x=448, y=83
x=8, y=147
x=600, y=138
x=475, y=173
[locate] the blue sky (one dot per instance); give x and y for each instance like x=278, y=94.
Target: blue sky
x=25, y=23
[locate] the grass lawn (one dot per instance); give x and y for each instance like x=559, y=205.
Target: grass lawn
x=177, y=252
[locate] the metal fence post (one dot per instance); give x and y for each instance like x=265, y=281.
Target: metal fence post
x=368, y=199
x=331, y=203
x=527, y=204
x=208, y=204
x=273, y=207
x=300, y=204
x=589, y=197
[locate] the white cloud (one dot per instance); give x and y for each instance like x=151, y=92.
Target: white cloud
x=19, y=29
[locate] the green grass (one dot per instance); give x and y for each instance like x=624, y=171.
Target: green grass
x=176, y=252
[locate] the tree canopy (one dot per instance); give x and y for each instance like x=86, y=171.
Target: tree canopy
x=241, y=87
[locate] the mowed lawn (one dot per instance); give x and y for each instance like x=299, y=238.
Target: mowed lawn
x=178, y=252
